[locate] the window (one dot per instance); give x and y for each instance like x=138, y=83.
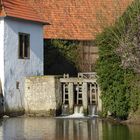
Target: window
x=24, y=46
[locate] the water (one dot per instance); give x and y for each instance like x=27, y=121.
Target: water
x=65, y=110
x=78, y=113
x=78, y=110
x=65, y=129
x=92, y=110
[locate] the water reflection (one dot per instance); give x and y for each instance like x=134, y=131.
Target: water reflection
x=65, y=129
x=115, y=132
x=78, y=129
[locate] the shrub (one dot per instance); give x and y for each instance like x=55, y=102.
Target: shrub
x=118, y=64
x=61, y=56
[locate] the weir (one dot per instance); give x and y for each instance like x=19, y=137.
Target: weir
x=92, y=110
x=78, y=109
x=81, y=95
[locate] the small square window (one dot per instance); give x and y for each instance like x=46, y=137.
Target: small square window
x=24, y=46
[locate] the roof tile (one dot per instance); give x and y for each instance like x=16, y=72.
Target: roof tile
x=19, y=9
x=77, y=19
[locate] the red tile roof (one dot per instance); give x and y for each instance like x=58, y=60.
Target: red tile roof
x=19, y=9
x=77, y=19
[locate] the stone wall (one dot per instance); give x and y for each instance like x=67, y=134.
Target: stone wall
x=42, y=95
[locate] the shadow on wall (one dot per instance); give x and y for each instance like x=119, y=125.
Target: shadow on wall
x=55, y=61
x=1, y=101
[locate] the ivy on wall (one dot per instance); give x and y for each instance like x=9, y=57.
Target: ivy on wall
x=119, y=63
x=61, y=56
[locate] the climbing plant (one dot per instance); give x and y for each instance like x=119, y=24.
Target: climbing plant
x=62, y=53
x=118, y=66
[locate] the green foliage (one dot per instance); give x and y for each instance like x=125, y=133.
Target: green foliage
x=68, y=49
x=112, y=77
x=119, y=84
x=61, y=52
x=135, y=96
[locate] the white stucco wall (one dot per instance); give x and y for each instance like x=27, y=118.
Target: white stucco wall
x=2, y=52
x=16, y=69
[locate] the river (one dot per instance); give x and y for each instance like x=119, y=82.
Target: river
x=65, y=129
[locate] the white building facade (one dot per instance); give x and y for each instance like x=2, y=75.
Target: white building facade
x=21, y=55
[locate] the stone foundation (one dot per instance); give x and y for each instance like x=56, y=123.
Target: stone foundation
x=42, y=96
